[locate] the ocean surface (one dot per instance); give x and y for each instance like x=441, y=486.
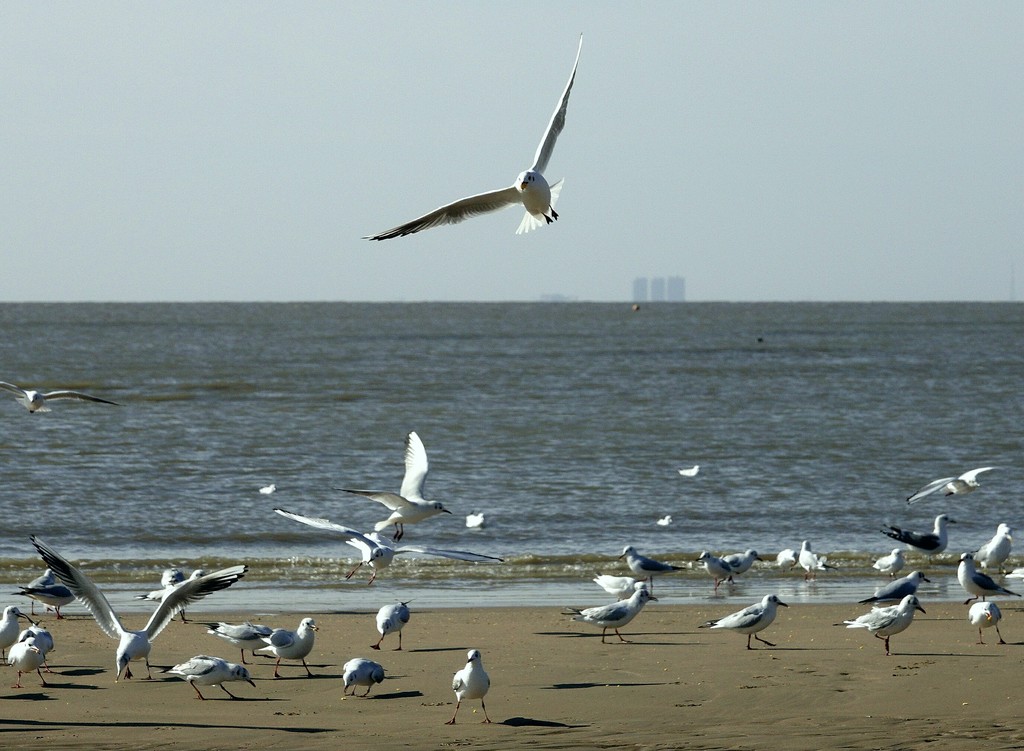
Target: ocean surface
x=564, y=423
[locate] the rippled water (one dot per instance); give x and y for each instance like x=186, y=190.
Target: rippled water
x=563, y=423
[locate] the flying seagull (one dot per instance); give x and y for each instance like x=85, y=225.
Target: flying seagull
x=35, y=401
x=530, y=189
x=965, y=483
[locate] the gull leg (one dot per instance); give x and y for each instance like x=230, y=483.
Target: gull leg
x=18, y=684
x=350, y=573
x=487, y=720
x=624, y=641
x=308, y=671
x=198, y=693
x=999, y=635
x=377, y=645
x=227, y=692
x=277, y=665
x=762, y=640
x=452, y=720
x=243, y=657
x=42, y=681
x=399, y=649
x=367, y=690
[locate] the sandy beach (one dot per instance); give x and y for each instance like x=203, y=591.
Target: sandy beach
x=554, y=685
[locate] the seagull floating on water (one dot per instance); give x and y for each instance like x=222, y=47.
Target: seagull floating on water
x=268, y=489
x=664, y=521
x=203, y=670
x=408, y=505
x=690, y=471
x=474, y=521
x=965, y=483
x=886, y=622
x=472, y=682
x=134, y=644
x=531, y=189
x=35, y=401
x=750, y=620
x=933, y=542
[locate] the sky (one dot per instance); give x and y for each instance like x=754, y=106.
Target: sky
x=776, y=151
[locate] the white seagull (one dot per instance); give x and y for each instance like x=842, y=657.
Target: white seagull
x=890, y=564
x=408, y=505
x=965, y=483
x=740, y=563
x=25, y=656
x=645, y=567
x=134, y=644
x=976, y=583
x=750, y=620
x=472, y=682
x=995, y=552
x=203, y=670
x=620, y=587
x=786, y=558
x=244, y=635
x=665, y=521
x=985, y=615
x=390, y=620
x=361, y=672
x=886, y=622
x=375, y=551
x=690, y=471
x=35, y=401
x=9, y=627
x=896, y=590
x=53, y=596
x=715, y=567
x=268, y=489
x=170, y=580
x=530, y=189
x=617, y=615
x=43, y=640
x=475, y=521
x=811, y=562
x=291, y=645
x=933, y=542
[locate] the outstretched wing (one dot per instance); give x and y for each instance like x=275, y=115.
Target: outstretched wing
x=12, y=388
x=929, y=489
x=458, y=555
x=416, y=467
x=188, y=592
x=973, y=474
x=64, y=394
x=82, y=588
x=455, y=212
x=392, y=500
x=547, y=143
x=356, y=538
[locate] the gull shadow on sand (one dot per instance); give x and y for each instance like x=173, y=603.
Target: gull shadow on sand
x=12, y=726
x=560, y=686
x=439, y=649
x=398, y=695
x=529, y=722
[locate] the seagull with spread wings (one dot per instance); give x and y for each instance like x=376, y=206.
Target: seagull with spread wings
x=35, y=401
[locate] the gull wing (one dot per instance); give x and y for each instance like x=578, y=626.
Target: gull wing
x=743, y=618
x=392, y=500
x=416, y=467
x=614, y=612
x=12, y=388
x=547, y=143
x=929, y=489
x=82, y=588
x=357, y=539
x=455, y=212
x=65, y=394
x=458, y=555
x=970, y=476
x=188, y=592
x=280, y=638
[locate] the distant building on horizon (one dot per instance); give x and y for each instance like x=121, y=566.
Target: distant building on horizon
x=659, y=289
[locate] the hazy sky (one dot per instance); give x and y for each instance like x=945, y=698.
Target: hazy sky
x=763, y=151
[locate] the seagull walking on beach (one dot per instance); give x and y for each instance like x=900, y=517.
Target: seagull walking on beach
x=715, y=567
x=985, y=615
x=43, y=641
x=291, y=645
x=995, y=552
x=644, y=567
x=203, y=670
x=134, y=645
x=390, y=620
x=244, y=635
x=531, y=188
x=887, y=622
x=35, y=401
x=896, y=590
x=472, y=682
x=377, y=553
x=750, y=620
x=890, y=564
x=361, y=672
x=9, y=628
x=408, y=505
x=25, y=657
x=976, y=583
x=620, y=587
x=617, y=615
x=933, y=542
x=965, y=483
x=811, y=562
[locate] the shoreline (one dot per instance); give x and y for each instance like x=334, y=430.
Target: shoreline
x=554, y=684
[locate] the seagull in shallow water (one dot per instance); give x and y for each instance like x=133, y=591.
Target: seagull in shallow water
x=886, y=622
x=377, y=553
x=133, y=644
x=976, y=583
x=965, y=483
x=531, y=188
x=985, y=615
x=210, y=671
x=750, y=620
x=896, y=590
x=35, y=401
x=997, y=550
x=645, y=567
x=811, y=562
x=715, y=567
x=786, y=559
x=933, y=542
x=408, y=505
x=740, y=563
x=890, y=564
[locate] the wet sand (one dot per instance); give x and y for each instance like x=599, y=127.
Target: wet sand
x=554, y=685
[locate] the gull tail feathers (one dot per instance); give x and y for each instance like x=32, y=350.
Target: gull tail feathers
x=531, y=221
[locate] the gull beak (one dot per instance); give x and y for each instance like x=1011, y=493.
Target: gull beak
x=315, y=627
x=652, y=598
x=446, y=511
x=522, y=185
x=918, y=607
x=780, y=602
x=249, y=681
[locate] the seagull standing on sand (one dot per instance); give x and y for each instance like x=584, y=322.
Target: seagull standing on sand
x=291, y=645
x=886, y=622
x=933, y=542
x=407, y=506
x=644, y=567
x=965, y=483
x=25, y=656
x=472, y=682
x=531, y=189
x=985, y=615
x=995, y=552
x=361, y=672
x=976, y=583
x=134, y=644
x=890, y=564
x=617, y=615
x=35, y=401
x=375, y=551
x=203, y=670
x=9, y=629
x=896, y=590
x=811, y=562
x=390, y=620
x=244, y=636
x=750, y=620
